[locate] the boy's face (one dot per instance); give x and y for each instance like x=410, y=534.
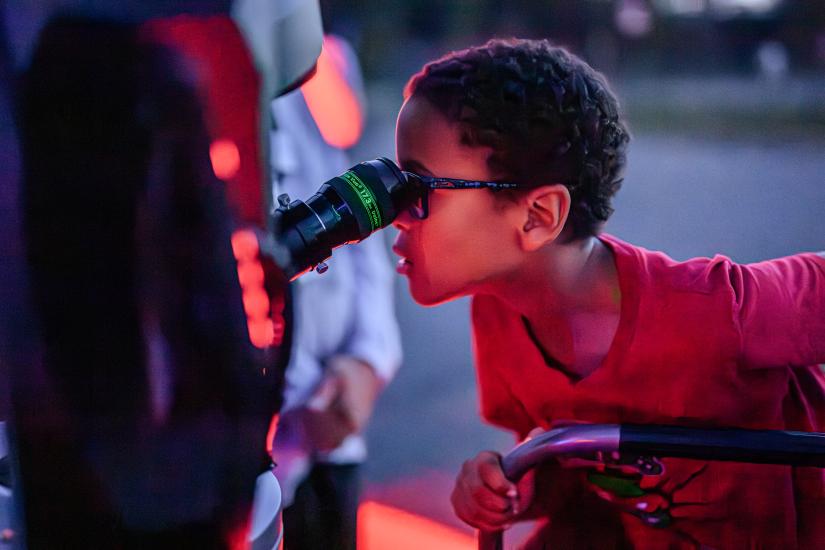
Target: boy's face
x=469, y=240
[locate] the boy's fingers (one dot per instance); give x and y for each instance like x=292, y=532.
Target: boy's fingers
x=488, y=500
x=534, y=432
x=472, y=513
x=482, y=496
x=490, y=473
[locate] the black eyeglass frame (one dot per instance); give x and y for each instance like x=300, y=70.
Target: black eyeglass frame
x=429, y=183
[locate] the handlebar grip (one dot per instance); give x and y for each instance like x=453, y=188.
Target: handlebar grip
x=738, y=445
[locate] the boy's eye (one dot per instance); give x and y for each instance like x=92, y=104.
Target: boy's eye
x=418, y=209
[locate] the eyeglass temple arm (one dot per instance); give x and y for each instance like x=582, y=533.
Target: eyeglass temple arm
x=459, y=183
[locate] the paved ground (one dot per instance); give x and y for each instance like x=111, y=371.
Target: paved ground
x=750, y=196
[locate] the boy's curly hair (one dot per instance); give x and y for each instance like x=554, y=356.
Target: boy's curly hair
x=548, y=116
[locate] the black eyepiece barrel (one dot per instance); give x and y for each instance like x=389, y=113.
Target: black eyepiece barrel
x=346, y=209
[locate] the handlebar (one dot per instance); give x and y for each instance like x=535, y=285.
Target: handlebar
x=728, y=444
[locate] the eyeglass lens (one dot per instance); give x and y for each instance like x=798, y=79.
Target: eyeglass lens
x=418, y=209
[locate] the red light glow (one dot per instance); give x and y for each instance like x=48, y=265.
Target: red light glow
x=238, y=536
x=250, y=274
x=261, y=332
x=381, y=527
x=226, y=160
x=223, y=71
x=270, y=434
x=244, y=245
x=279, y=327
x=333, y=104
x=255, y=303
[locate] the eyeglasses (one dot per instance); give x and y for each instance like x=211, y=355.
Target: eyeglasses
x=420, y=209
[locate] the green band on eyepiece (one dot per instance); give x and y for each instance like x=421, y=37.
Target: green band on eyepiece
x=367, y=198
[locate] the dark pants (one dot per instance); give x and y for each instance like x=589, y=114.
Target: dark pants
x=323, y=515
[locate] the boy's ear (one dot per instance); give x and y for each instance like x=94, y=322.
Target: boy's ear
x=547, y=209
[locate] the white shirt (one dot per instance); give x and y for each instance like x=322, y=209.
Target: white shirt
x=347, y=310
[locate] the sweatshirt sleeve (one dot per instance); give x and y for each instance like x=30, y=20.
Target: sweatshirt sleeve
x=780, y=311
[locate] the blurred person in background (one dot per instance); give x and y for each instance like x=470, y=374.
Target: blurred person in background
x=346, y=343
x=573, y=325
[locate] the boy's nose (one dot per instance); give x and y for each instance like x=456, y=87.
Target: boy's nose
x=403, y=221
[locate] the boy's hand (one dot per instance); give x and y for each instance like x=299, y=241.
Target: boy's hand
x=485, y=499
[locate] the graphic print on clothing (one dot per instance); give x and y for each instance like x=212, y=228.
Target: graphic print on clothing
x=640, y=486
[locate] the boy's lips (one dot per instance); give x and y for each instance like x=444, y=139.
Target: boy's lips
x=404, y=264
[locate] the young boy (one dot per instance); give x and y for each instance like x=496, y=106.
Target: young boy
x=571, y=324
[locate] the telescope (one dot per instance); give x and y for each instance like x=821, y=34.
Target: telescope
x=346, y=209
x=143, y=354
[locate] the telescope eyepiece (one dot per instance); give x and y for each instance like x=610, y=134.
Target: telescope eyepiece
x=346, y=209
